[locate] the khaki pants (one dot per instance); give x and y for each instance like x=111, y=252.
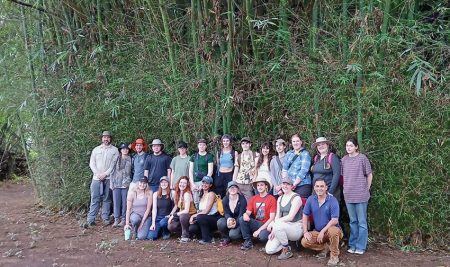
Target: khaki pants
x=284, y=232
x=332, y=236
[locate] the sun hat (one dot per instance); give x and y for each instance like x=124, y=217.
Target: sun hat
x=320, y=140
x=123, y=145
x=246, y=139
x=260, y=179
x=164, y=178
x=182, y=144
x=207, y=179
x=139, y=141
x=231, y=184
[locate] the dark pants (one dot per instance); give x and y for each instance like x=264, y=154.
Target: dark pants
x=221, y=183
x=205, y=225
x=304, y=191
x=180, y=223
x=247, y=229
x=227, y=233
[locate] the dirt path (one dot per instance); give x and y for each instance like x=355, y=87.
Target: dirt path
x=30, y=236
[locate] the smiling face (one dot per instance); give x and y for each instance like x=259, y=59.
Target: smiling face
x=201, y=147
x=164, y=184
x=286, y=187
x=245, y=145
x=265, y=150
x=280, y=147
x=139, y=148
x=156, y=149
x=182, y=184
x=320, y=187
x=322, y=148
x=261, y=187
x=182, y=151
x=124, y=151
x=296, y=142
x=233, y=190
x=106, y=140
x=206, y=186
x=226, y=143
x=142, y=185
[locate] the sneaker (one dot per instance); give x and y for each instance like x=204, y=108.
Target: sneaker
x=286, y=253
x=185, y=240
x=203, y=242
x=122, y=223
x=106, y=222
x=248, y=244
x=225, y=242
x=116, y=223
x=333, y=261
x=166, y=236
x=359, y=251
x=324, y=252
x=88, y=224
x=351, y=250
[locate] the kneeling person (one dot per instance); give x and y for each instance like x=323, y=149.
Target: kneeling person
x=262, y=209
x=324, y=208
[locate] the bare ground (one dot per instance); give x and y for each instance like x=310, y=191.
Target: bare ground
x=33, y=236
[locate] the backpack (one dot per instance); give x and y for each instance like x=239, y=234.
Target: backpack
x=328, y=161
x=219, y=205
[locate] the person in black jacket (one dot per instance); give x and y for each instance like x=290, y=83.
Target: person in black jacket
x=234, y=205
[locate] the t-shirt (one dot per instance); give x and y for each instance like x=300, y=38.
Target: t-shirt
x=201, y=165
x=138, y=166
x=180, y=167
x=355, y=171
x=261, y=207
x=157, y=167
x=322, y=214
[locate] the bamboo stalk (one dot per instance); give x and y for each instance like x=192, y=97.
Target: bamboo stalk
x=248, y=17
x=411, y=11
x=344, y=32
x=359, y=108
x=229, y=79
x=27, y=50
x=99, y=22
x=195, y=37
x=384, y=28
x=314, y=28
x=283, y=42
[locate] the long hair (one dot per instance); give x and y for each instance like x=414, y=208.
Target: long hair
x=177, y=189
x=160, y=190
x=261, y=156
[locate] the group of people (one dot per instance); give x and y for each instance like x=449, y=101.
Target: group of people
x=271, y=196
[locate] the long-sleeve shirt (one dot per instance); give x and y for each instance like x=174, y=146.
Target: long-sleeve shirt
x=275, y=170
x=121, y=177
x=330, y=174
x=299, y=167
x=103, y=160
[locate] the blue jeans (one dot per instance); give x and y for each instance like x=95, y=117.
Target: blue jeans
x=120, y=202
x=135, y=221
x=154, y=188
x=99, y=192
x=357, y=212
x=160, y=226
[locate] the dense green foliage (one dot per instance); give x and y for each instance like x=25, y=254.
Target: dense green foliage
x=174, y=69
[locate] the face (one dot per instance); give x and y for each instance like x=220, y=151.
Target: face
x=350, y=147
x=233, y=190
x=322, y=147
x=226, y=143
x=265, y=151
x=139, y=148
x=296, y=143
x=142, y=185
x=245, y=145
x=286, y=187
x=164, y=184
x=156, y=148
x=280, y=147
x=261, y=187
x=182, y=151
x=206, y=186
x=106, y=140
x=124, y=151
x=201, y=147
x=320, y=187
x=183, y=184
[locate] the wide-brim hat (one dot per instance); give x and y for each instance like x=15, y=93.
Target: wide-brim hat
x=106, y=133
x=139, y=141
x=320, y=140
x=259, y=179
x=157, y=142
x=246, y=139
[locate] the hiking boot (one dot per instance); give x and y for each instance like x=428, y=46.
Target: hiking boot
x=225, y=242
x=248, y=244
x=185, y=240
x=88, y=224
x=122, y=222
x=359, y=251
x=166, y=236
x=286, y=253
x=333, y=261
x=324, y=252
x=106, y=222
x=116, y=223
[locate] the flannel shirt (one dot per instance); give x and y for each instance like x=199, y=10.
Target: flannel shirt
x=300, y=167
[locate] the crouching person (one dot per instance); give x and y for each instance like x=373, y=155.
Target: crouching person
x=325, y=237
x=139, y=204
x=260, y=213
x=287, y=225
x=234, y=205
x=162, y=207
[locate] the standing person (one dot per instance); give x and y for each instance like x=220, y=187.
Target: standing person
x=244, y=168
x=327, y=165
x=276, y=166
x=102, y=163
x=139, y=204
x=296, y=167
x=325, y=237
x=205, y=220
x=234, y=205
x=287, y=225
x=184, y=208
x=260, y=213
x=225, y=165
x=262, y=162
x=138, y=161
x=201, y=165
x=179, y=164
x=162, y=207
x=120, y=181
x=157, y=165
x=358, y=176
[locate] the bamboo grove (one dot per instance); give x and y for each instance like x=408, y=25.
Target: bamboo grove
x=179, y=69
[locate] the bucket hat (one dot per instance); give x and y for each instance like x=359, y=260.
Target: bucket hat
x=139, y=141
x=320, y=140
x=259, y=179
